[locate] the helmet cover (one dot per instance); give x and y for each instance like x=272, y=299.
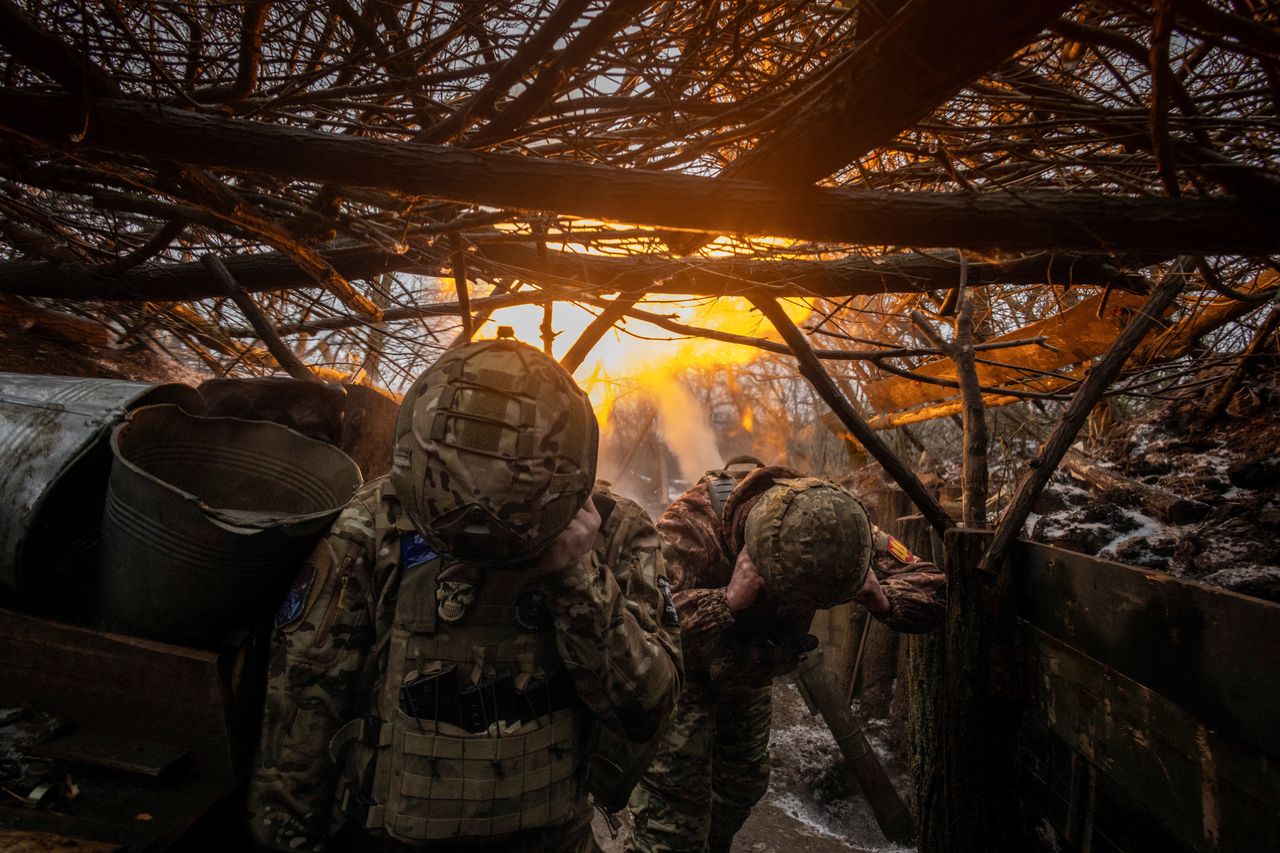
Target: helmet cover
x=495, y=452
x=811, y=541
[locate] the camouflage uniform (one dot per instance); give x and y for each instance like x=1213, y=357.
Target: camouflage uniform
x=613, y=631
x=712, y=766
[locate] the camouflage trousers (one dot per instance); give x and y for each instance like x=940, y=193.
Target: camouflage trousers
x=711, y=769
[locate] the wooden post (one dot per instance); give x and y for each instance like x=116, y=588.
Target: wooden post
x=459, y=260
x=922, y=679
x=820, y=693
x=982, y=692
x=974, y=424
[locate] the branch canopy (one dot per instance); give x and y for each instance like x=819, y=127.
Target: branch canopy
x=894, y=79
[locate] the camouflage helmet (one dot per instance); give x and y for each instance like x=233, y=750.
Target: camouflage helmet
x=811, y=541
x=495, y=452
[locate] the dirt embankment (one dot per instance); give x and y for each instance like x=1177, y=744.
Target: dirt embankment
x=34, y=350
x=1229, y=469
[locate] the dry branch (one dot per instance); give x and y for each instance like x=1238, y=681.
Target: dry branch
x=1064, y=434
x=974, y=423
x=266, y=332
x=33, y=45
x=811, y=368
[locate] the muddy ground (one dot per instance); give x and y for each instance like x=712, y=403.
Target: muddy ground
x=810, y=806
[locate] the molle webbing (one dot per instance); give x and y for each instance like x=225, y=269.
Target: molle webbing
x=444, y=786
x=477, y=768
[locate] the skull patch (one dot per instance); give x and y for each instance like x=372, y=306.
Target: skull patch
x=454, y=599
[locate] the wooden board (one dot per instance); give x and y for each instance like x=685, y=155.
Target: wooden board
x=1212, y=652
x=22, y=841
x=118, y=691
x=1155, y=762
x=106, y=749
x=138, y=688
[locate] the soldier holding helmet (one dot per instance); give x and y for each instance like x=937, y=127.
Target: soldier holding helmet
x=749, y=562
x=464, y=657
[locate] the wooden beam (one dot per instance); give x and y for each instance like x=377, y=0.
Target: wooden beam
x=1060, y=220
x=851, y=276
x=597, y=328
x=915, y=62
x=267, y=333
x=257, y=273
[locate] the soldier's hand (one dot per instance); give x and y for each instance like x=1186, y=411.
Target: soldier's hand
x=745, y=584
x=871, y=596
x=574, y=542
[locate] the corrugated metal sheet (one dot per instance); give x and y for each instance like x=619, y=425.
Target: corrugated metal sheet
x=47, y=423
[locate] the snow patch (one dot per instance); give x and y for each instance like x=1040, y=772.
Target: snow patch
x=808, y=780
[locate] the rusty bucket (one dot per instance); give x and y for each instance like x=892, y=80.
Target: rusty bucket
x=54, y=463
x=207, y=519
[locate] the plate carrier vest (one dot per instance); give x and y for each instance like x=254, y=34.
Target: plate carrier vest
x=476, y=729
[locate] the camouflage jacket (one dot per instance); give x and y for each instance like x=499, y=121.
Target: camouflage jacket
x=700, y=551
x=615, y=632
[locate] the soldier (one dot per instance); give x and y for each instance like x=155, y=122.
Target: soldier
x=749, y=562
x=474, y=631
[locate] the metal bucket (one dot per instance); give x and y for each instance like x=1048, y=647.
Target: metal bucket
x=207, y=520
x=54, y=463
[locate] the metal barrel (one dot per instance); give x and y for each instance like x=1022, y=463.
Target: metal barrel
x=207, y=519
x=54, y=463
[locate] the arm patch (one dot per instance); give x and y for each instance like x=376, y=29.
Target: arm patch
x=295, y=600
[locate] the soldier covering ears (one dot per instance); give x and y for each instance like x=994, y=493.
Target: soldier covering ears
x=481, y=639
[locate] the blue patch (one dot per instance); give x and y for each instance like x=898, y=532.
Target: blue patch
x=296, y=598
x=414, y=551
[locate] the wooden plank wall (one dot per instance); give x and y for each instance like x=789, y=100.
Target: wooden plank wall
x=1152, y=719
